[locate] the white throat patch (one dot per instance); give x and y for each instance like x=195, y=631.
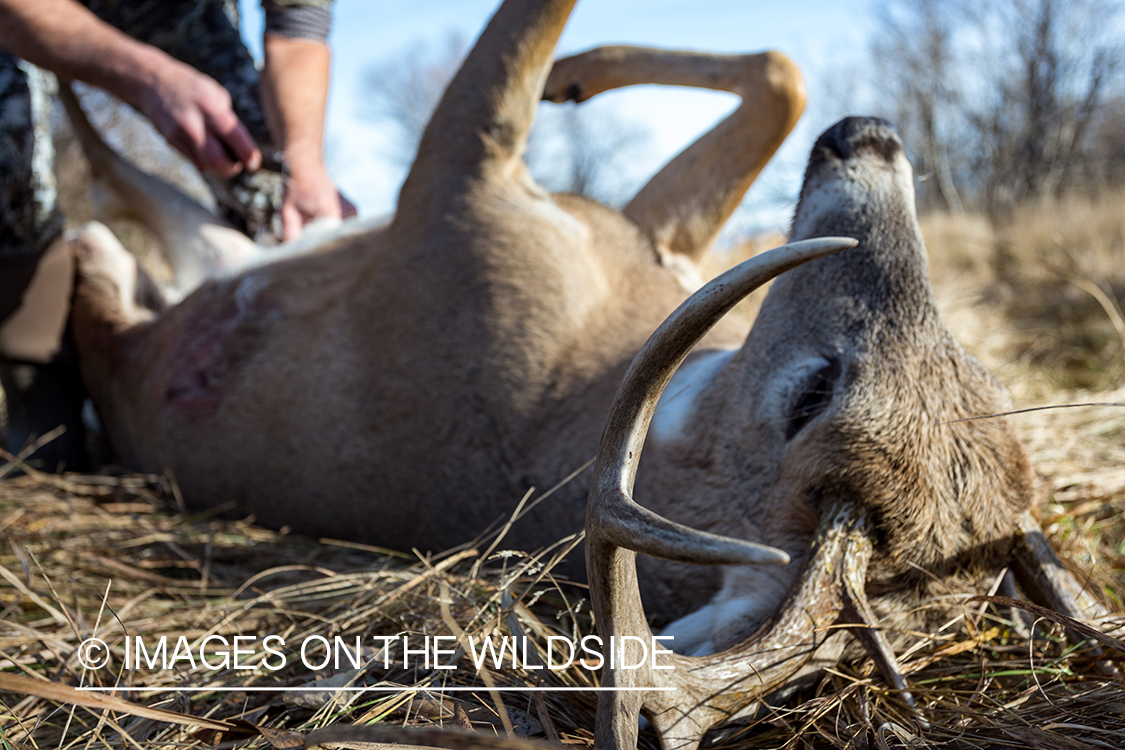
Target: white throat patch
x=677, y=403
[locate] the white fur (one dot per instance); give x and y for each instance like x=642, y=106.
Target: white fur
x=694, y=634
x=687, y=273
x=112, y=259
x=246, y=293
x=677, y=403
x=864, y=176
x=747, y=596
x=782, y=391
x=314, y=235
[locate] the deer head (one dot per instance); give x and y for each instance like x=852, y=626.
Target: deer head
x=848, y=413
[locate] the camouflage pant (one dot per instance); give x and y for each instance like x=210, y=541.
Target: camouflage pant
x=202, y=33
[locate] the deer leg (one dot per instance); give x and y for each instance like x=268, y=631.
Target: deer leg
x=106, y=288
x=197, y=244
x=479, y=129
x=685, y=205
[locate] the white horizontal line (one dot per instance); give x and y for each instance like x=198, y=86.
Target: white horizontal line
x=376, y=688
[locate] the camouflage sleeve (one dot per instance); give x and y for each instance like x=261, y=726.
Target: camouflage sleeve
x=322, y=4
x=29, y=218
x=299, y=19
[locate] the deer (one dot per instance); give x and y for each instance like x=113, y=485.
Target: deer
x=840, y=461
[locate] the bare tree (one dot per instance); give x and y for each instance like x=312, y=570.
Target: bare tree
x=586, y=149
x=1003, y=102
x=583, y=149
x=1036, y=125
x=404, y=90
x=914, y=54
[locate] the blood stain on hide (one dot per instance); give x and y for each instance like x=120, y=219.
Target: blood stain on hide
x=202, y=356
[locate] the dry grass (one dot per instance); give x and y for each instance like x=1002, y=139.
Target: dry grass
x=1043, y=290
x=1012, y=295
x=78, y=543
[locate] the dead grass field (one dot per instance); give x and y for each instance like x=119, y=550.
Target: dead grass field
x=1036, y=299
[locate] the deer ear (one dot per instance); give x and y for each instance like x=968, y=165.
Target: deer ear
x=799, y=391
x=814, y=396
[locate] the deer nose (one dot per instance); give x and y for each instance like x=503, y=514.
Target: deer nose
x=855, y=136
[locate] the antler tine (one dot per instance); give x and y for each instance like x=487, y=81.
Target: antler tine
x=1044, y=579
x=634, y=527
x=616, y=526
x=708, y=690
x=713, y=689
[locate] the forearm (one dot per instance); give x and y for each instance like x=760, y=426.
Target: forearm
x=294, y=95
x=294, y=88
x=65, y=37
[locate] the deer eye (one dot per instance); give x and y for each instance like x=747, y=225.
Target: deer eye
x=814, y=398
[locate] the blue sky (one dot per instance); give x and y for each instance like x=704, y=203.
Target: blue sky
x=823, y=37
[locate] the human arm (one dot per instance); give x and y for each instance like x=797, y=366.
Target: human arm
x=188, y=108
x=294, y=89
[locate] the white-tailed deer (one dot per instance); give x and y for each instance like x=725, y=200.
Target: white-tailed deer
x=406, y=386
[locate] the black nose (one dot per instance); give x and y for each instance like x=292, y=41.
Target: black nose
x=854, y=136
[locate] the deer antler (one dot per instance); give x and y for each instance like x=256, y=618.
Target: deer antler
x=686, y=696
x=619, y=520
x=689, y=695
x=1043, y=578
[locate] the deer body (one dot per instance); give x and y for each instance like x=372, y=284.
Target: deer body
x=461, y=426
x=415, y=381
